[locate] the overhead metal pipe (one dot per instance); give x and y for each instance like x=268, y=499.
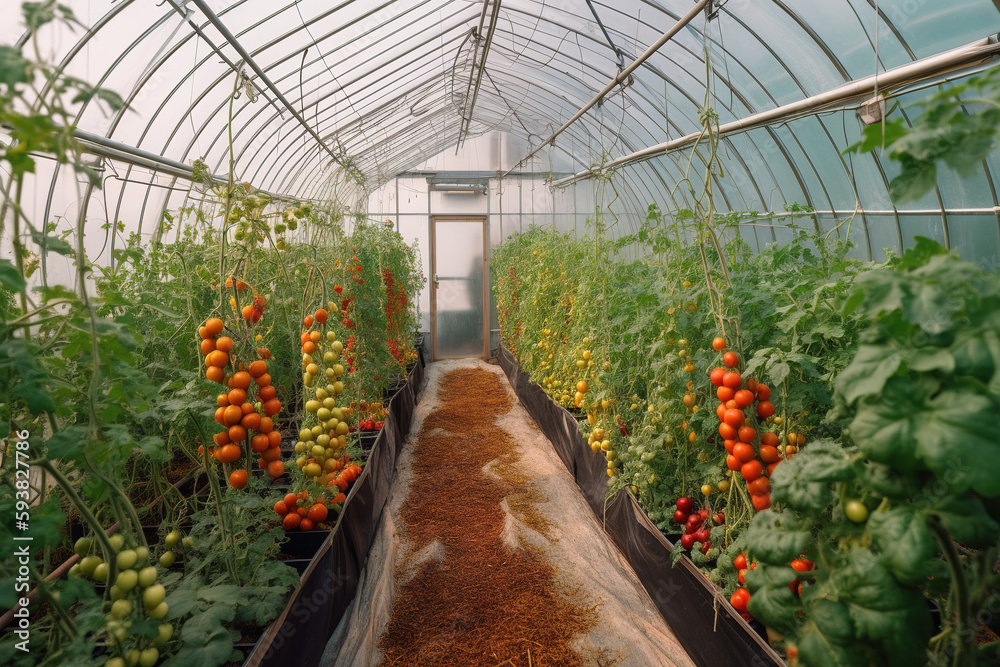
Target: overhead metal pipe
x=926, y=68
x=620, y=78
x=248, y=59
x=468, y=107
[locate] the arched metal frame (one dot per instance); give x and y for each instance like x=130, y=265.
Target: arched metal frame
x=331, y=93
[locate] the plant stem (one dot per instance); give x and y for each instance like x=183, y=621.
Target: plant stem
x=965, y=643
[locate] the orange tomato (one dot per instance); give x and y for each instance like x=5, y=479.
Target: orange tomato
x=259, y=443
x=275, y=469
x=237, y=433
x=271, y=454
x=308, y=321
x=221, y=438
x=232, y=415
x=238, y=479
x=229, y=453
x=247, y=312
x=213, y=327
x=222, y=400
x=273, y=438
x=266, y=393
x=719, y=344
x=225, y=343
x=257, y=368
x=241, y=380
x=725, y=393
x=215, y=374
x=207, y=345
x=339, y=499
x=308, y=347
x=216, y=358
x=203, y=332
x=237, y=396
x=318, y=512
x=266, y=425
x=264, y=380
x=247, y=408
x=272, y=407
x=250, y=421
x=321, y=317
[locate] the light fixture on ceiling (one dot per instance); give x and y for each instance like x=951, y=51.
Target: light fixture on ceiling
x=458, y=188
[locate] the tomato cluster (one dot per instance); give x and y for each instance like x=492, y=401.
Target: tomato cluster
x=325, y=427
x=298, y=512
x=241, y=419
x=695, y=522
x=395, y=313
x=369, y=425
x=736, y=396
x=741, y=596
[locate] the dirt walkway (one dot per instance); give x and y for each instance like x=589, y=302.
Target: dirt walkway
x=503, y=563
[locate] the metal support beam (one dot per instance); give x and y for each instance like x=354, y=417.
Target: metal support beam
x=248, y=59
x=477, y=72
x=622, y=77
x=964, y=56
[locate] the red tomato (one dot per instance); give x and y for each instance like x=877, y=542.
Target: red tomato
x=280, y=508
x=724, y=394
x=291, y=500
x=803, y=565
x=727, y=432
x=740, y=562
x=747, y=433
x=733, y=463
x=730, y=359
x=719, y=344
x=734, y=418
x=744, y=398
x=751, y=470
x=729, y=444
x=306, y=523
x=759, y=487
x=733, y=380
x=763, y=392
x=716, y=376
x=765, y=409
x=761, y=503
x=740, y=599
x=318, y=512
x=291, y=521
x=769, y=454
x=720, y=412
x=685, y=504
x=744, y=452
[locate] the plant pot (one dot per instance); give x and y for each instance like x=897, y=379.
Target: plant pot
x=366, y=439
x=303, y=544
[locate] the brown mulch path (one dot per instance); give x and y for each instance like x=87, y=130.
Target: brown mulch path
x=484, y=605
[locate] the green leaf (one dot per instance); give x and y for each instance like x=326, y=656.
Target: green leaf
x=52, y=243
x=14, y=67
x=9, y=277
x=774, y=537
x=968, y=521
x=819, y=649
x=930, y=359
x=771, y=599
x=883, y=611
x=154, y=447
x=921, y=253
x=905, y=542
x=868, y=371
x=804, y=481
x=68, y=444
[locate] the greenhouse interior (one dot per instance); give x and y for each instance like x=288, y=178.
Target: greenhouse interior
x=500, y=333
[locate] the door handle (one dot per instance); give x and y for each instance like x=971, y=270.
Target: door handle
x=437, y=283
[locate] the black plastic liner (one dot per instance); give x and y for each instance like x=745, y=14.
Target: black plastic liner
x=299, y=635
x=705, y=624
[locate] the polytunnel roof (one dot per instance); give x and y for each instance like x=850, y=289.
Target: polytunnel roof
x=334, y=98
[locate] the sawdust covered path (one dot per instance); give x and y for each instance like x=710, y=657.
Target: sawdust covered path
x=495, y=572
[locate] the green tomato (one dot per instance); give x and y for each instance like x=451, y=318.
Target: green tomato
x=115, y=662
x=142, y=555
x=147, y=576
x=117, y=541
x=158, y=612
x=126, y=559
x=172, y=538
x=154, y=595
x=75, y=571
x=187, y=542
x=127, y=580
x=148, y=657
x=88, y=564
x=132, y=657
x=116, y=593
x=101, y=572
x=167, y=559
x=83, y=546
x=121, y=608
x=856, y=511
x=165, y=633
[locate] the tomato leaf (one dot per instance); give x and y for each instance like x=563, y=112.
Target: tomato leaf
x=906, y=543
x=9, y=277
x=867, y=373
x=775, y=537
x=771, y=599
x=804, y=481
x=883, y=611
x=968, y=521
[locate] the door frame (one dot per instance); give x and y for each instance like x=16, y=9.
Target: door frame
x=482, y=219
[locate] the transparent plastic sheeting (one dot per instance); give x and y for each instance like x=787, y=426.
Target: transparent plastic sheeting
x=335, y=100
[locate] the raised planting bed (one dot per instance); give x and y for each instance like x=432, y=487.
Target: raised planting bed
x=708, y=627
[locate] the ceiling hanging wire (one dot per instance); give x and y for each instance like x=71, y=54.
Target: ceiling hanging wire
x=622, y=76
x=618, y=52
